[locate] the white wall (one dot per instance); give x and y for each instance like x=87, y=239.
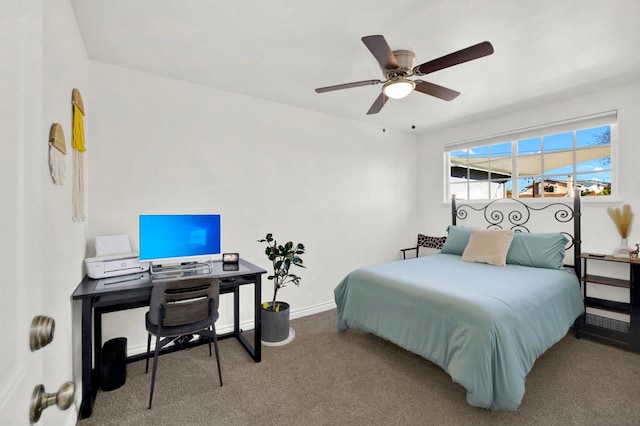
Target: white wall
x=65, y=66
x=343, y=188
x=598, y=230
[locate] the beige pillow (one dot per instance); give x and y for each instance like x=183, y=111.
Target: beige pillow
x=488, y=246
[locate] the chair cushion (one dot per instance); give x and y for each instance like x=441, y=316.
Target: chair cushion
x=431, y=242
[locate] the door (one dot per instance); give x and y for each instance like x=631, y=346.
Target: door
x=20, y=128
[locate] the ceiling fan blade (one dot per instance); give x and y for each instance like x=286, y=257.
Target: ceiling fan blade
x=378, y=104
x=435, y=90
x=348, y=85
x=381, y=50
x=470, y=53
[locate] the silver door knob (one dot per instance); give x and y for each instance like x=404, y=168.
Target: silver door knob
x=41, y=400
x=41, y=332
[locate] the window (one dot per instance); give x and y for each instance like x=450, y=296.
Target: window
x=542, y=162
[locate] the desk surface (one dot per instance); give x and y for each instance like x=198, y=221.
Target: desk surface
x=90, y=287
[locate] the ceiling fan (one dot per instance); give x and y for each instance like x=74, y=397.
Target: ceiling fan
x=397, y=65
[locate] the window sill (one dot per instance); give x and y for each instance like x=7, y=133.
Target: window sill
x=584, y=201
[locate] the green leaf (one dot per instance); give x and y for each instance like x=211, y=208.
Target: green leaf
x=283, y=257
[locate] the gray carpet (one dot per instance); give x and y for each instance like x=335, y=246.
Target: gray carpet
x=326, y=378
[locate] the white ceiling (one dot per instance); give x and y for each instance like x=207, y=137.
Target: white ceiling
x=282, y=50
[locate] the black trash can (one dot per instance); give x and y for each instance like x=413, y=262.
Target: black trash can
x=113, y=371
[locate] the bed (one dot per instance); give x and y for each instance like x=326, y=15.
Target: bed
x=485, y=325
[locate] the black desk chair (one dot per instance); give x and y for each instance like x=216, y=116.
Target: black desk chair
x=425, y=241
x=178, y=308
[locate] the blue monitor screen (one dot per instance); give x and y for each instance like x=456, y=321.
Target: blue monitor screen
x=179, y=237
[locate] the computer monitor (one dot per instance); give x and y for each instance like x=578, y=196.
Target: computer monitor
x=179, y=238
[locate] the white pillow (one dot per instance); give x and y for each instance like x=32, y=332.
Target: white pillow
x=488, y=246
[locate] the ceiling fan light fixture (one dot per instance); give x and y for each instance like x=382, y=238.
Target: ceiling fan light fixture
x=399, y=88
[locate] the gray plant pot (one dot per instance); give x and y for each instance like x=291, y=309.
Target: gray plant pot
x=275, y=325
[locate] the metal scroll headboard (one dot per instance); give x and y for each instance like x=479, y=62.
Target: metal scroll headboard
x=498, y=215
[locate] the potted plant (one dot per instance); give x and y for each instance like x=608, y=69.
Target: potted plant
x=275, y=314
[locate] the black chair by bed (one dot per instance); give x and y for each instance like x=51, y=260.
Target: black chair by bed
x=182, y=307
x=427, y=242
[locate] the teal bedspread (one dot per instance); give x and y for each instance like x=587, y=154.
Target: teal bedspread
x=485, y=325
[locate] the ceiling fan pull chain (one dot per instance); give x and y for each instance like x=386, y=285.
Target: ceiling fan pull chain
x=413, y=105
x=384, y=122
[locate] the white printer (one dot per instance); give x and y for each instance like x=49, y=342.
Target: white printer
x=112, y=265
x=114, y=257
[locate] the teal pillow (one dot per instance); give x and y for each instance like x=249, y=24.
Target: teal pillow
x=537, y=250
x=457, y=240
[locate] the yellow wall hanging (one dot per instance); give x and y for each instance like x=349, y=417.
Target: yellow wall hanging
x=77, y=142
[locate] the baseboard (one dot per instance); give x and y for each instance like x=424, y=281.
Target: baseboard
x=311, y=310
x=248, y=325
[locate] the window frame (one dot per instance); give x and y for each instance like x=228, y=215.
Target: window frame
x=574, y=125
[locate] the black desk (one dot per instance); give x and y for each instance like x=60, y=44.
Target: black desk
x=134, y=291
